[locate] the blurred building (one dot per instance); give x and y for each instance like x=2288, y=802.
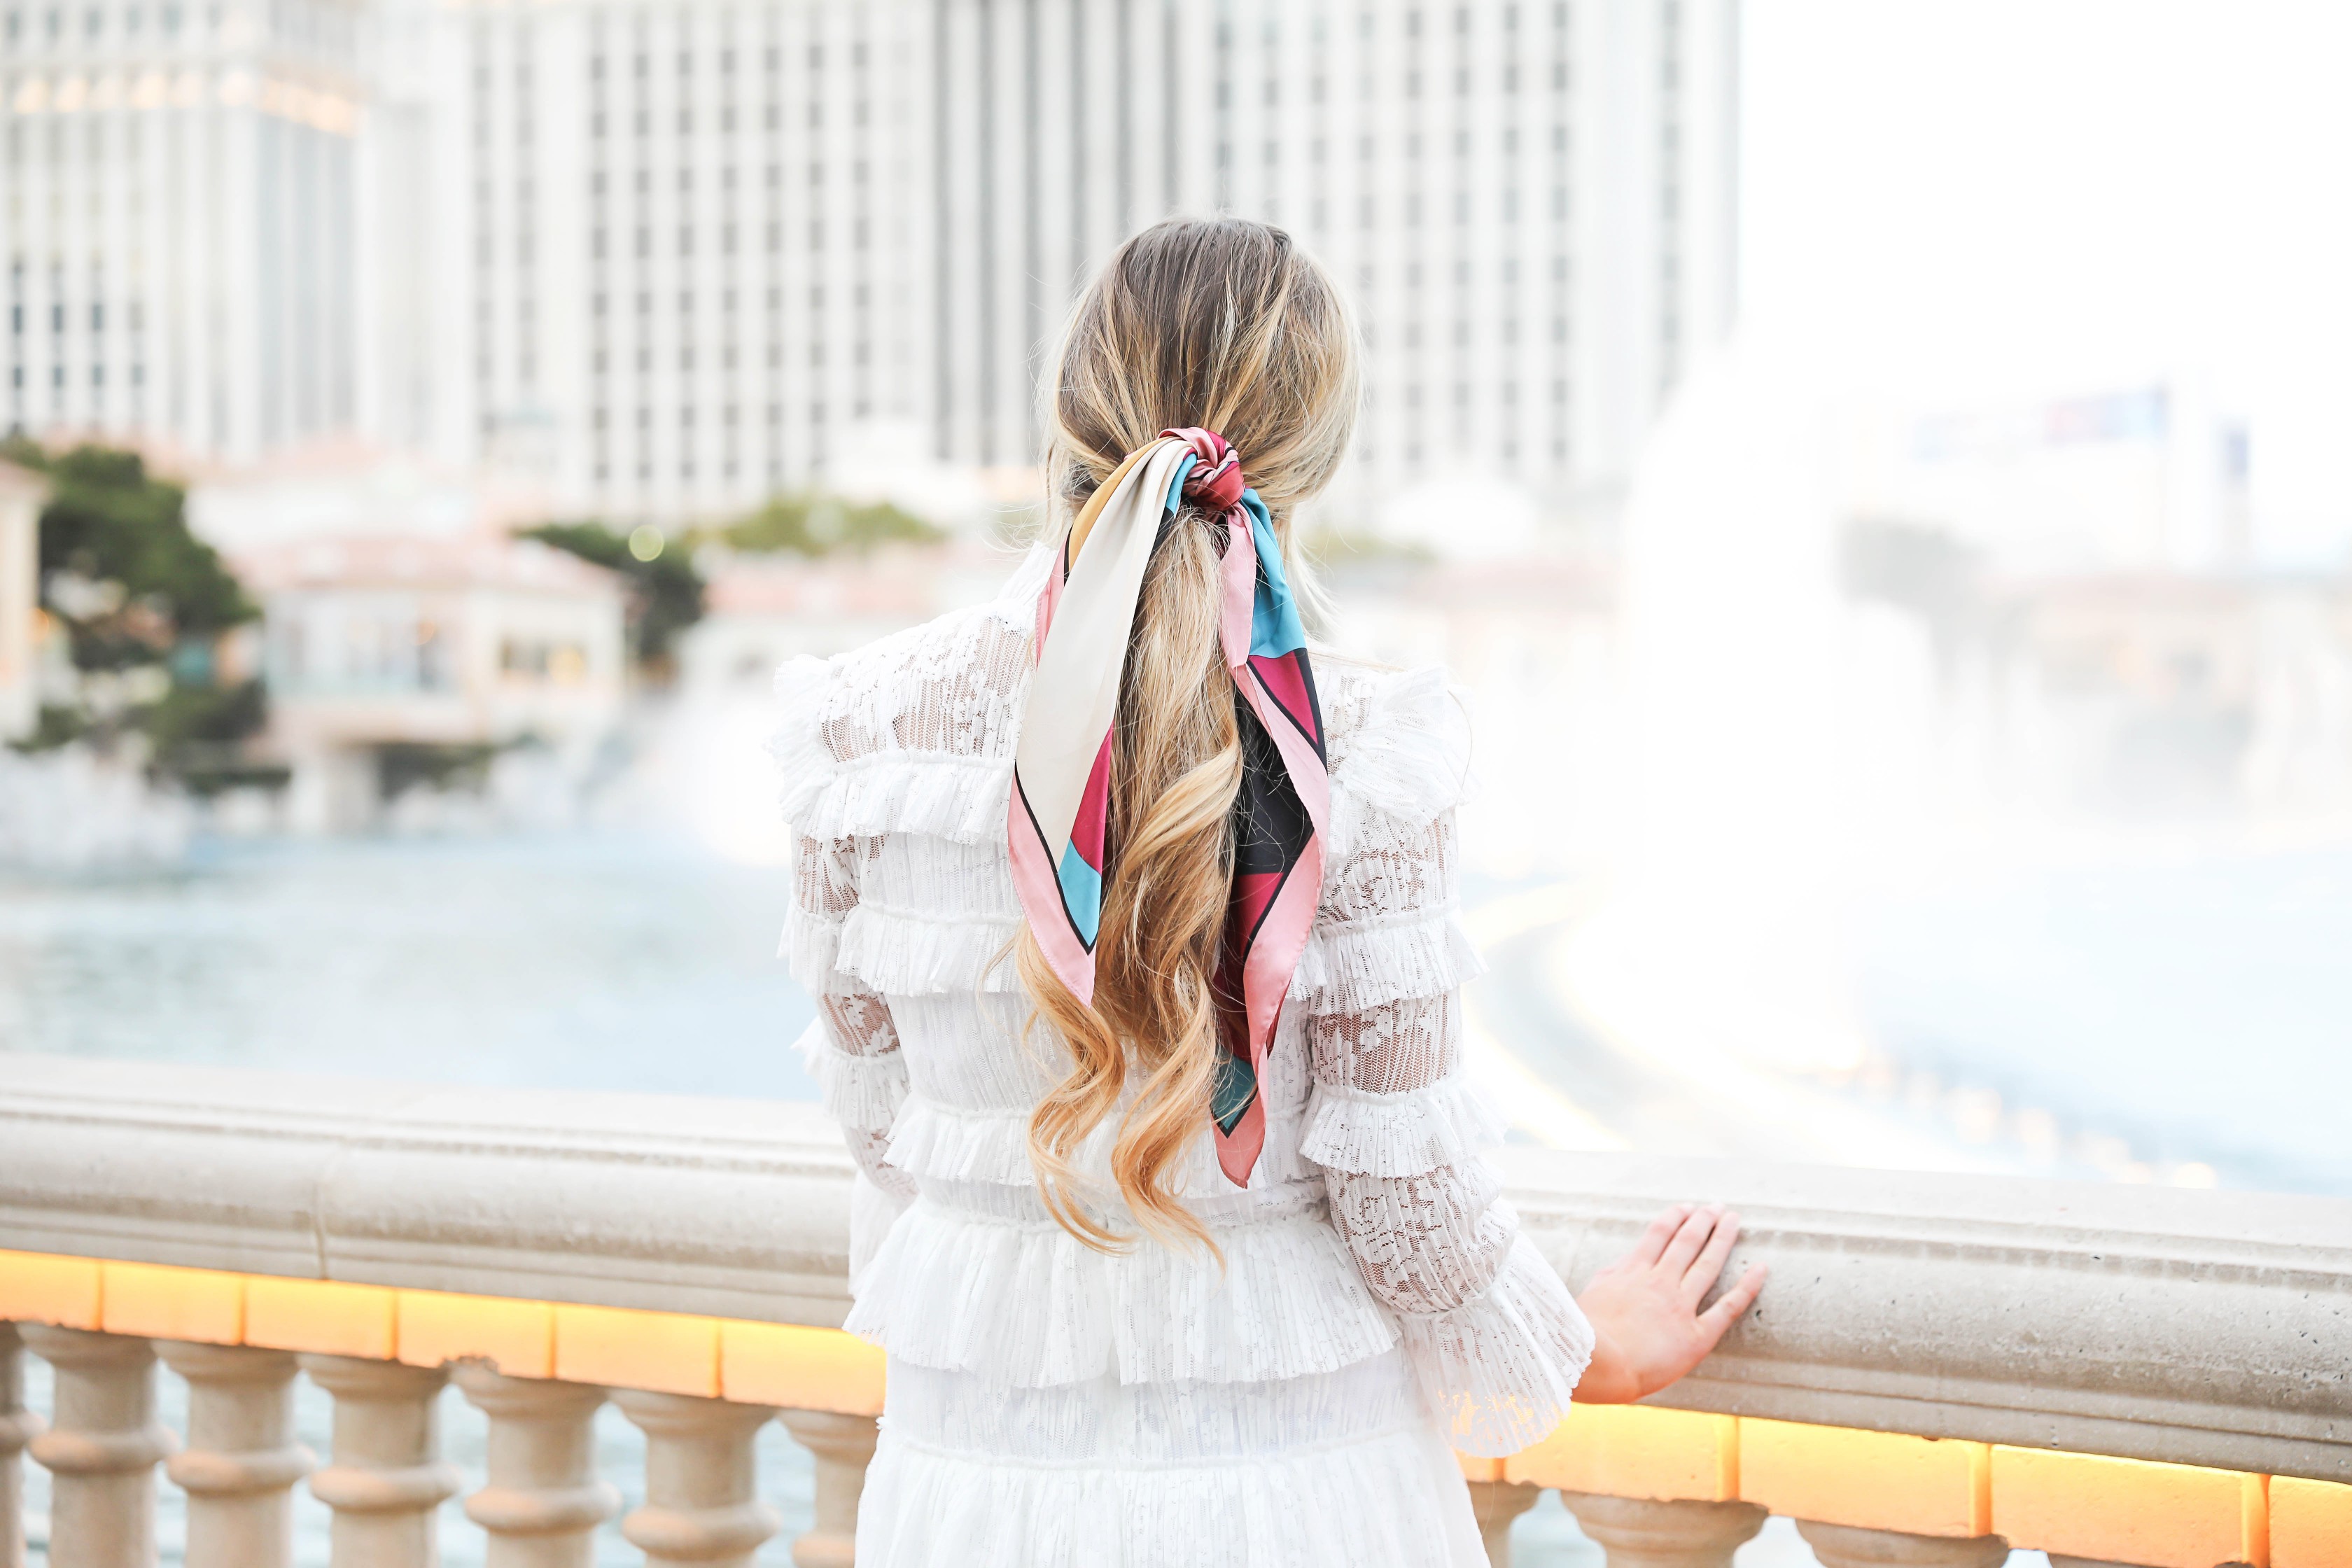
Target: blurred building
x=2081, y=570
x=680, y=249
x=762, y=610
x=670, y=256
x=182, y=228
x=2135, y=480
x=347, y=491
x=420, y=649
x=2156, y=695
x=21, y=495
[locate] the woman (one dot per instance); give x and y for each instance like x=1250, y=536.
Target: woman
x=1131, y=921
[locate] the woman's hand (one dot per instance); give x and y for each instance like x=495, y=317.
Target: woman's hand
x=1647, y=1330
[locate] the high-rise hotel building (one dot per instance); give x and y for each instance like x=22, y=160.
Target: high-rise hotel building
x=677, y=254
x=179, y=222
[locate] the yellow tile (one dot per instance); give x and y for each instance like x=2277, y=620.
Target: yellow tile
x=2311, y=1523
x=623, y=1349
x=173, y=1303
x=798, y=1368
x=320, y=1315
x=39, y=1288
x=2130, y=1511
x=516, y=1337
x=1875, y=1480
x=1638, y=1451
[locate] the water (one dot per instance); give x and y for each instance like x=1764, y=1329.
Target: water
x=2194, y=1007
x=598, y=962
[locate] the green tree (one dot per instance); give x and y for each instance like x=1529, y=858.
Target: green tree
x=118, y=564
x=811, y=524
x=137, y=595
x=666, y=593
x=196, y=731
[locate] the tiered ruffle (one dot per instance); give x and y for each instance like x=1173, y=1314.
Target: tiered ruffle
x=1407, y=758
x=1395, y=1501
x=803, y=762
x=1406, y=1134
x=949, y=797
x=858, y=1092
x=1110, y=1424
x=959, y=798
x=1022, y=1301
x=1499, y=1370
x=955, y=1143
x=903, y=953
x=1349, y=968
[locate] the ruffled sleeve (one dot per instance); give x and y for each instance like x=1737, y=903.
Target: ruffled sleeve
x=852, y=1047
x=1496, y=1340
x=824, y=865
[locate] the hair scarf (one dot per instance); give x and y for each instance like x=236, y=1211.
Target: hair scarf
x=1059, y=821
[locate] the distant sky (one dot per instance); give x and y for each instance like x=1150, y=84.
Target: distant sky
x=1989, y=200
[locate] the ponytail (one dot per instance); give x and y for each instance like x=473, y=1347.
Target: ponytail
x=1226, y=325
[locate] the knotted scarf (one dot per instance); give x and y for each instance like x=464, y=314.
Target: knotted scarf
x=1059, y=819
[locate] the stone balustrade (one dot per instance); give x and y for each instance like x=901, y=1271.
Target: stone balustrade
x=1943, y=1368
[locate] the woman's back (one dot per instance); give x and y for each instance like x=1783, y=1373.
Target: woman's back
x=1008, y=1335
x=898, y=760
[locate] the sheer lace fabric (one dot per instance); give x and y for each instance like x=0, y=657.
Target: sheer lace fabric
x=1374, y=1301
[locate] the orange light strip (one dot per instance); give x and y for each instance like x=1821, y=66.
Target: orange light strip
x=2135, y=1510
x=754, y=1363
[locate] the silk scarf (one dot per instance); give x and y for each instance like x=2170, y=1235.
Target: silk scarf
x=1058, y=822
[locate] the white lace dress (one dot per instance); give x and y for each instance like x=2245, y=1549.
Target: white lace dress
x=1051, y=1406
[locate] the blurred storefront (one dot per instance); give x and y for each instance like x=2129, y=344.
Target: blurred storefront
x=392, y=660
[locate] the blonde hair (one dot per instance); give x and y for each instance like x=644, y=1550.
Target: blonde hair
x=1227, y=325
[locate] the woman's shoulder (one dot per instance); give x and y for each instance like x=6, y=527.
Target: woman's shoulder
x=1398, y=740
x=912, y=732
x=920, y=688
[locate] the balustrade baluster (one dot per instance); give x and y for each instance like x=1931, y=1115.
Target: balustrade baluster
x=18, y=1426
x=1845, y=1546
x=543, y=1501
x=241, y=1462
x=101, y=1448
x=700, y=1503
x=387, y=1476
x=1497, y=1505
x=844, y=1446
x=1638, y=1533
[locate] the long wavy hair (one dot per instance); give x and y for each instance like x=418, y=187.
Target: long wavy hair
x=1228, y=325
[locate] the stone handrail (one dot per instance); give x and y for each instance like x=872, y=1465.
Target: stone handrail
x=2194, y=1328
x=733, y=1207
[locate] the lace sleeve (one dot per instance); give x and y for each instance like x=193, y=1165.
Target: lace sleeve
x=1496, y=1341
x=852, y=1047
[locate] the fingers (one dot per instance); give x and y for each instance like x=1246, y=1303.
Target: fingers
x=1652, y=1241
x=1708, y=1265
x=1727, y=1306
x=1688, y=1240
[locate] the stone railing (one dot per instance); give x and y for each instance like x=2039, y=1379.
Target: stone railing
x=1942, y=1367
